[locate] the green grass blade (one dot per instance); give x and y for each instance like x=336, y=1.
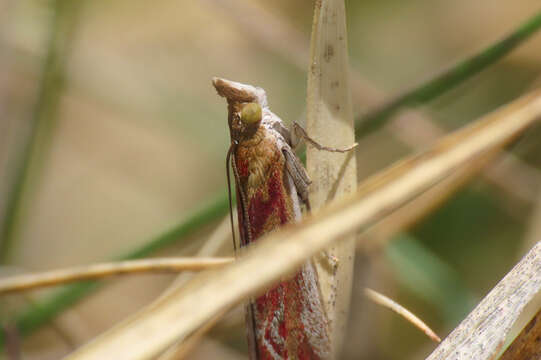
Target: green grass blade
x=44, y=112
x=421, y=272
x=214, y=210
x=450, y=78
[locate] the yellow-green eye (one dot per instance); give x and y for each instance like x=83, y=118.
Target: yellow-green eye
x=251, y=113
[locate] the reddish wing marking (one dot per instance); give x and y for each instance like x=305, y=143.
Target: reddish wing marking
x=288, y=321
x=289, y=317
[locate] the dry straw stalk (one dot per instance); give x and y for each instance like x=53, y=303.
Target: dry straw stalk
x=334, y=175
x=100, y=271
x=482, y=334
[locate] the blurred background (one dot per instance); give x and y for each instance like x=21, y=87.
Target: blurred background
x=111, y=134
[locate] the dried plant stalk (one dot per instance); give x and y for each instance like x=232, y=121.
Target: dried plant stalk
x=482, y=334
x=333, y=175
x=100, y=271
x=382, y=232
x=384, y=301
x=220, y=236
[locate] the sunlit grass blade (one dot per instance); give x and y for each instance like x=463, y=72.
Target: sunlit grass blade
x=100, y=271
x=384, y=301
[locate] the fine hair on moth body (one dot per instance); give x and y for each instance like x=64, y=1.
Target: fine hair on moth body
x=271, y=183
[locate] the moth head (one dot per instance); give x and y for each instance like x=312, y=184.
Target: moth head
x=245, y=105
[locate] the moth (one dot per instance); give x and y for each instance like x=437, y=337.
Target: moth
x=289, y=320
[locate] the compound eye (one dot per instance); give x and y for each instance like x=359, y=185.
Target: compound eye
x=250, y=113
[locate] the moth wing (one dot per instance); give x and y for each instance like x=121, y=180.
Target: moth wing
x=276, y=124
x=297, y=172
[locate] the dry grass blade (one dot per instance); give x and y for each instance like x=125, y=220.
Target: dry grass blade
x=527, y=344
x=334, y=175
x=100, y=271
x=510, y=174
x=482, y=334
x=378, y=235
x=384, y=301
x=177, y=316
x=211, y=248
x=183, y=349
x=218, y=239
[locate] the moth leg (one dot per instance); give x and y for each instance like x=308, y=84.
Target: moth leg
x=298, y=174
x=301, y=133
